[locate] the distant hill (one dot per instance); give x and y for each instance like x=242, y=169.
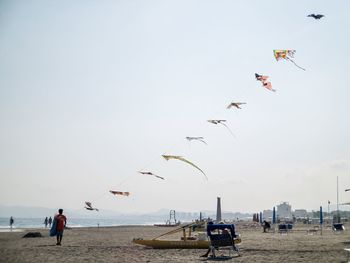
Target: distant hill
x=159, y=216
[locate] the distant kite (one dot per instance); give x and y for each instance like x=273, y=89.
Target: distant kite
x=319, y=16
x=286, y=54
x=201, y=139
x=223, y=123
x=217, y=121
x=236, y=104
x=263, y=79
x=89, y=206
x=150, y=173
x=120, y=193
x=347, y=190
x=168, y=157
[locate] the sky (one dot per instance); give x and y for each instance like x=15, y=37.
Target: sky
x=91, y=92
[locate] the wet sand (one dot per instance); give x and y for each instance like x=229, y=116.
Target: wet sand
x=114, y=244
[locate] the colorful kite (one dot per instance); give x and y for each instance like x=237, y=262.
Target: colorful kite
x=168, y=157
x=263, y=79
x=89, y=206
x=201, y=139
x=236, y=104
x=286, y=54
x=120, y=193
x=150, y=173
x=223, y=123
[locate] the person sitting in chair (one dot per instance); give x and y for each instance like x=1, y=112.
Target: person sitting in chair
x=266, y=226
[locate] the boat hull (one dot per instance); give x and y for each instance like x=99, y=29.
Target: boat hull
x=173, y=244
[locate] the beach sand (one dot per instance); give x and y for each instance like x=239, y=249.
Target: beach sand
x=114, y=244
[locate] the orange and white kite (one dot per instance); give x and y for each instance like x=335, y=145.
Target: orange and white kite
x=150, y=173
x=119, y=193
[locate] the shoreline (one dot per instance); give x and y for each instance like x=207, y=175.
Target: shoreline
x=114, y=244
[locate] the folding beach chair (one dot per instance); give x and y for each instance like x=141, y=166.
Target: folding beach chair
x=223, y=239
x=338, y=227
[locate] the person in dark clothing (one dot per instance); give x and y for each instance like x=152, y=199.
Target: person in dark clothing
x=266, y=226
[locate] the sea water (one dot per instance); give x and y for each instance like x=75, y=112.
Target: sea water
x=22, y=223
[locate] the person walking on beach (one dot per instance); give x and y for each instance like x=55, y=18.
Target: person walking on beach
x=11, y=222
x=61, y=222
x=50, y=222
x=46, y=221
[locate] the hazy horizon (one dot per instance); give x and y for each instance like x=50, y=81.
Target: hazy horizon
x=93, y=92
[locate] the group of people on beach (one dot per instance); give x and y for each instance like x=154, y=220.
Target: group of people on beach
x=48, y=222
x=57, y=225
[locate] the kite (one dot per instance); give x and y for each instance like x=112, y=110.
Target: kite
x=217, y=121
x=201, y=139
x=168, y=157
x=263, y=79
x=318, y=16
x=286, y=54
x=150, y=173
x=347, y=190
x=89, y=206
x=223, y=123
x=235, y=104
x=120, y=193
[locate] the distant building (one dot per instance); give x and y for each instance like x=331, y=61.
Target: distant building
x=267, y=215
x=284, y=211
x=300, y=213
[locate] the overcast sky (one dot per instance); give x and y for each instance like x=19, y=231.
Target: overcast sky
x=93, y=91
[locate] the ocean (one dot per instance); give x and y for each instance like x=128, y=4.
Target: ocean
x=26, y=223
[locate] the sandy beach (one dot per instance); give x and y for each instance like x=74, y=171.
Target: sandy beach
x=114, y=244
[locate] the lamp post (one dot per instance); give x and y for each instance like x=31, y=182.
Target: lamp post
x=329, y=215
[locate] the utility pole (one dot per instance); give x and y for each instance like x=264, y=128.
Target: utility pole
x=338, y=215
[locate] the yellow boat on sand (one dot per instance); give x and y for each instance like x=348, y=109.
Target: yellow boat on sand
x=186, y=241
x=169, y=244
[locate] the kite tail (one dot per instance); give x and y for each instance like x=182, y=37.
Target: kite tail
x=234, y=136
x=182, y=159
x=291, y=60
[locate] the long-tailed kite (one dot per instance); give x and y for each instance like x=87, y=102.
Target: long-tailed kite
x=168, y=157
x=223, y=123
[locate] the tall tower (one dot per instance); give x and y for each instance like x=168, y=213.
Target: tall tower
x=218, y=210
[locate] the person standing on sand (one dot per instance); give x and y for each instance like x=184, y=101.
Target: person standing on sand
x=11, y=222
x=60, y=225
x=50, y=222
x=46, y=221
